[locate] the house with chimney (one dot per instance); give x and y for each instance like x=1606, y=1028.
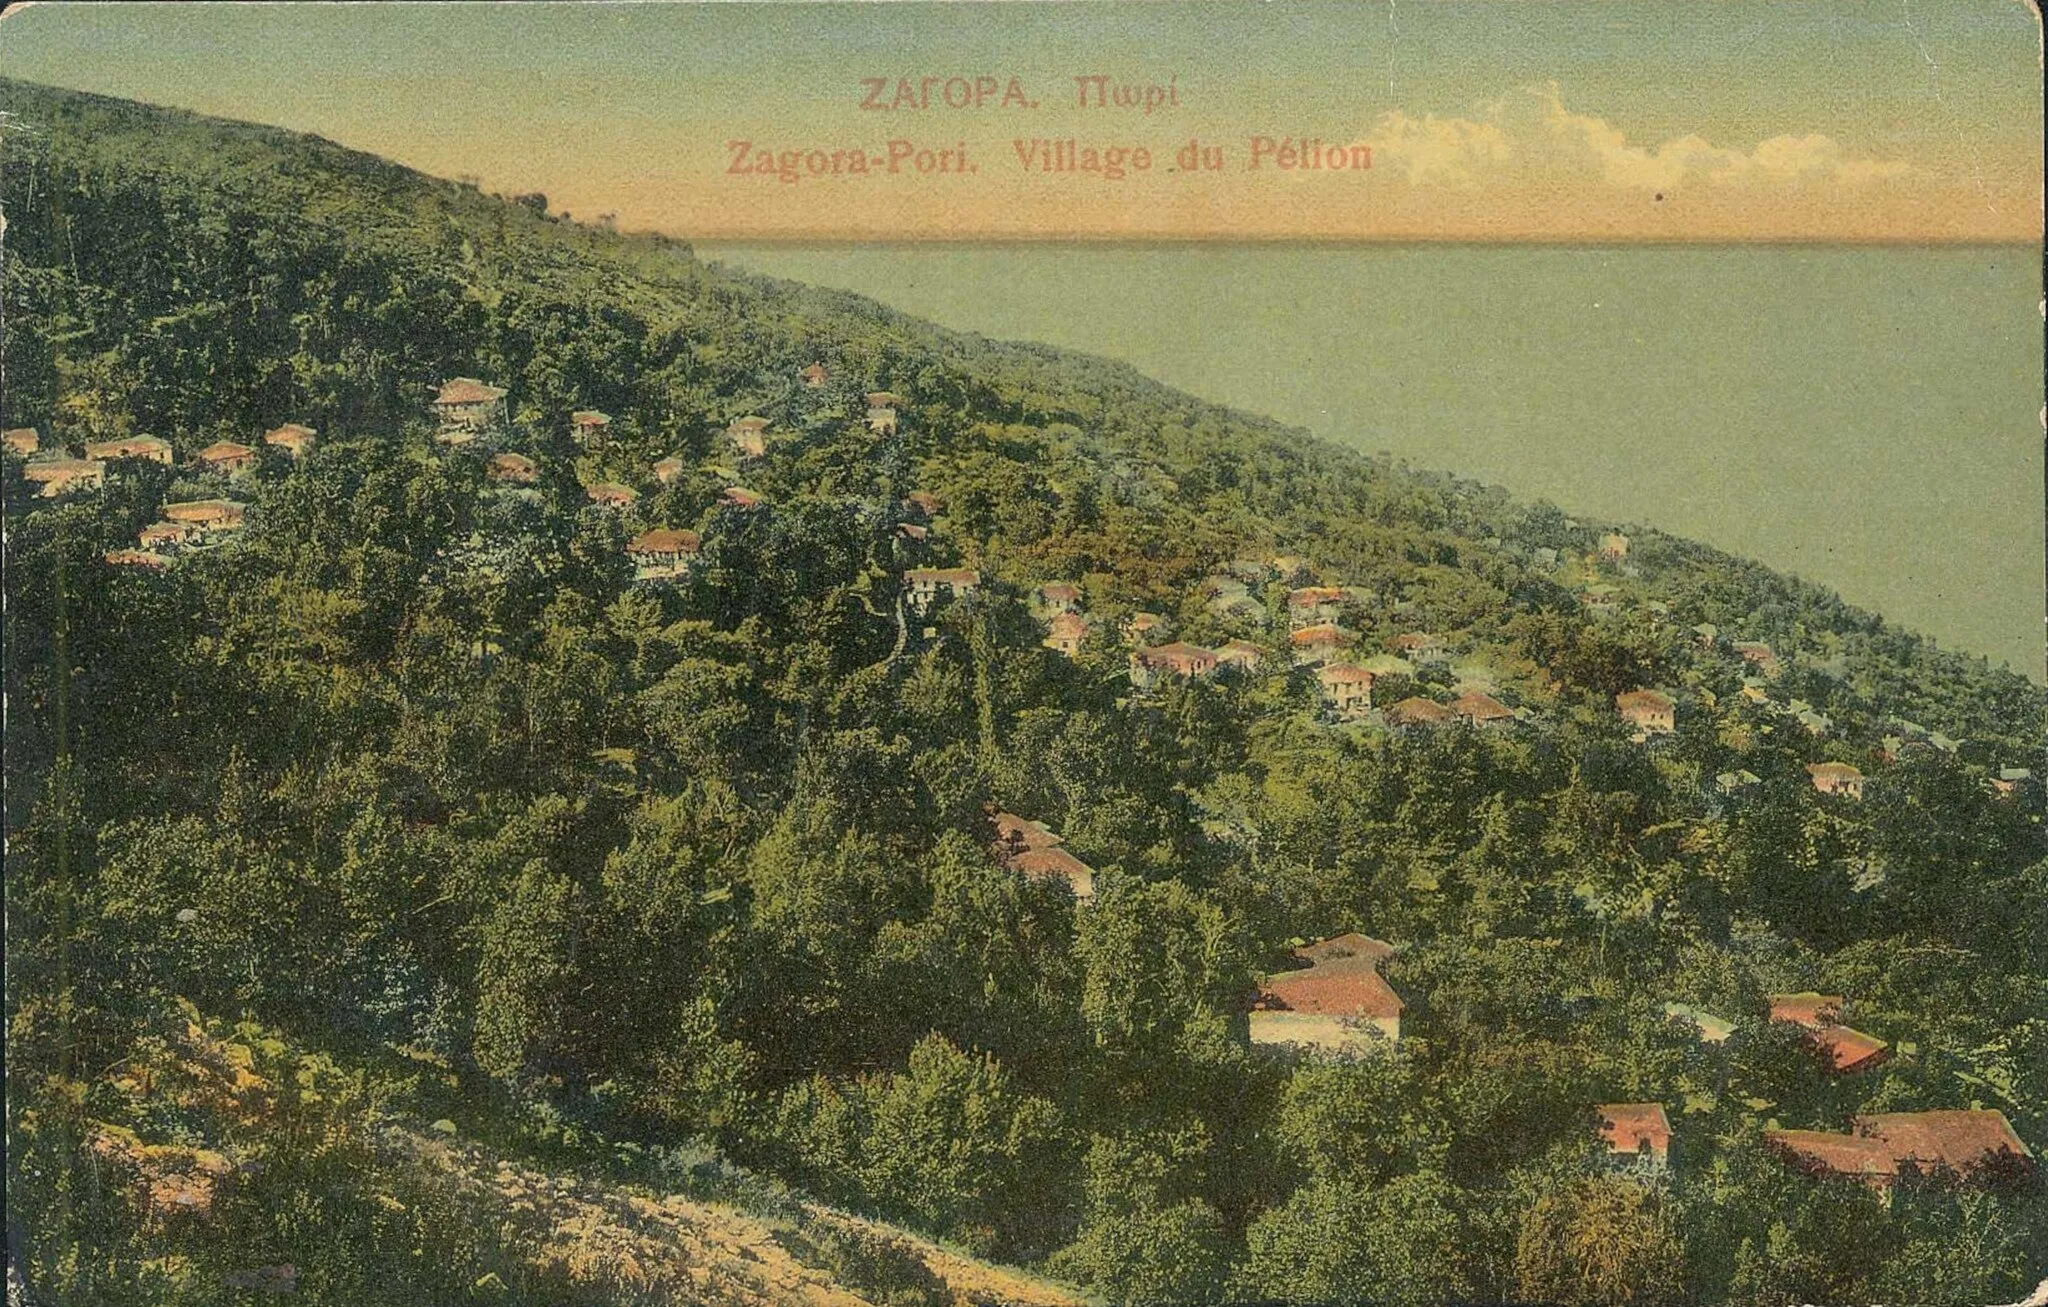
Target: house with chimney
x=1844, y=1050
x=1637, y=1135
x=466, y=408
x=1650, y=712
x=662, y=553
x=1885, y=1149
x=1066, y=634
x=1838, y=778
x=926, y=586
x=1336, y=1002
x=1152, y=665
x=1347, y=689
x=225, y=456
x=748, y=436
x=56, y=477
x=154, y=449
x=294, y=438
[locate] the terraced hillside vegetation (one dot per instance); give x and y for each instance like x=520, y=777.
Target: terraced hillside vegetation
x=566, y=773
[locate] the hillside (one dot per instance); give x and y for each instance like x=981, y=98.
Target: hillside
x=913, y=794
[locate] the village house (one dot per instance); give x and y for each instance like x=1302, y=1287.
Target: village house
x=1648, y=711
x=1481, y=709
x=1059, y=597
x=1068, y=632
x=739, y=497
x=747, y=436
x=925, y=502
x=1032, y=849
x=1418, y=647
x=63, y=476
x=666, y=470
x=1149, y=666
x=1613, y=547
x=1140, y=628
x=226, y=456
x=815, y=376
x=913, y=532
x=927, y=585
x=206, y=518
x=164, y=538
x=1758, y=655
x=1314, y=605
x=512, y=469
x=588, y=427
x=1347, y=689
x=1241, y=654
x=1338, y=1002
x=610, y=494
x=1638, y=1135
x=293, y=438
x=21, y=441
x=153, y=448
x=1881, y=1149
x=662, y=553
x=1316, y=644
x=1417, y=711
x=1836, y=778
x=882, y=412
x=1846, y=1050
x=136, y=558
x=467, y=408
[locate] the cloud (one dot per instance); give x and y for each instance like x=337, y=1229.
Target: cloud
x=1532, y=131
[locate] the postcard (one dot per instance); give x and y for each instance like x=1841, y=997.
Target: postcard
x=969, y=653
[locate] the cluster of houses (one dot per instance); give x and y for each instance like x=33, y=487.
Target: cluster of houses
x=1337, y=1001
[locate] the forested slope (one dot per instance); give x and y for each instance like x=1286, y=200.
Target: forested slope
x=412, y=770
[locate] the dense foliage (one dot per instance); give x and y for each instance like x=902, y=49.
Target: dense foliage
x=414, y=764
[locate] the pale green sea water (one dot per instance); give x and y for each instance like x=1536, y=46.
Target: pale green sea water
x=1867, y=418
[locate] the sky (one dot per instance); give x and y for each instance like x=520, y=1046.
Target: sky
x=1613, y=120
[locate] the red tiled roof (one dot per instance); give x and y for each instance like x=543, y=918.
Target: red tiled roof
x=467, y=390
x=1341, y=989
x=952, y=576
x=1023, y=832
x=1807, y=1009
x=135, y=558
x=1847, y=1049
x=1178, y=656
x=1313, y=595
x=1049, y=863
x=1411, y=640
x=1060, y=590
x=1344, y=674
x=291, y=433
x=611, y=492
x=1417, y=711
x=1481, y=707
x=1628, y=1126
x=1069, y=624
x=589, y=417
x=221, y=451
x=1326, y=633
x=1879, y=1146
x=1634, y=702
x=512, y=467
x=205, y=510
x=664, y=541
